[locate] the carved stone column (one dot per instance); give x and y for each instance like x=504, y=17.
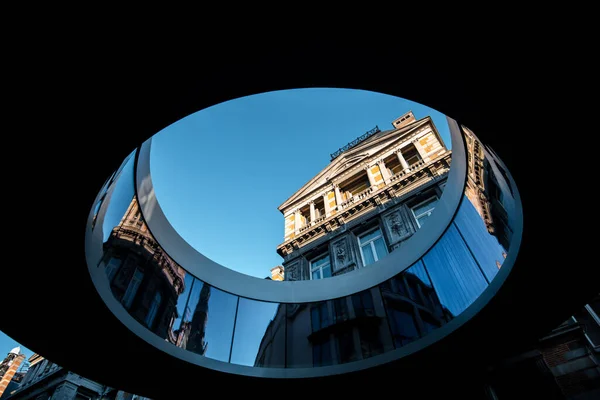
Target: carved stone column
x=384, y=171
x=312, y=212
x=370, y=176
x=297, y=221
x=338, y=197
x=403, y=162
x=326, y=205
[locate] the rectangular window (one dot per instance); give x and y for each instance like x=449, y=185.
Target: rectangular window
x=372, y=247
x=322, y=353
x=402, y=324
x=153, y=310
x=132, y=288
x=346, y=347
x=423, y=210
x=112, y=267
x=320, y=267
x=363, y=304
x=319, y=315
x=340, y=308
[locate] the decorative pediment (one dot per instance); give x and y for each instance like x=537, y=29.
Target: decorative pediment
x=353, y=157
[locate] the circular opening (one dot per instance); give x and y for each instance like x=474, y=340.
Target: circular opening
x=231, y=178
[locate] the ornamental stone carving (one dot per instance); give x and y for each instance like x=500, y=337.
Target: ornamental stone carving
x=342, y=254
x=397, y=225
x=292, y=272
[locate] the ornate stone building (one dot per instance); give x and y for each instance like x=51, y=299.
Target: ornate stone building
x=374, y=194
x=143, y=277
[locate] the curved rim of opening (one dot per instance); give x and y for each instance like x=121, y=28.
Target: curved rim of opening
x=103, y=288
x=240, y=284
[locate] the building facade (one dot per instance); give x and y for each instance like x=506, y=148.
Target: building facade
x=46, y=380
x=374, y=194
x=9, y=367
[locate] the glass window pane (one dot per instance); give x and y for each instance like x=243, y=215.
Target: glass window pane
x=346, y=346
x=184, y=311
x=402, y=324
x=429, y=205
x=421, y=220
x=120, y=198
x=368, y=254
x=299, y=332
x=319, y=261
x=370, y=236
x=485, y=247
x=210, y=330
x=326, y=271
x=380, y=248
x=316, y=274
x=259, y=338
x=455, y=275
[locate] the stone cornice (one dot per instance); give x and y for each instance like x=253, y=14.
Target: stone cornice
x=363, y=164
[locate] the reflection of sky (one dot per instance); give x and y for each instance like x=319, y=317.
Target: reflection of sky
x=485, y=247
x=252, y=321
x=455, y=275
x=219, y=330
x=419, y=271
x=120, y=200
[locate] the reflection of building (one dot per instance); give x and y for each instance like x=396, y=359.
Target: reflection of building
x=142, y=277
x=486, y=183
x=9, y=367
x=374, y=194
x=46, y=380
x=277, y=273
x=197, y=327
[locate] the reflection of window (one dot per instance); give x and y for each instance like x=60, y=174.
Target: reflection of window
x=340, y=308
x=403, y=326
x=132, y=288
x=112, y=267
x=363, y=304
x=153, y=309
x=320, y=267
x=370, y=344
x=322, y=353
x=319, y=316
x=346, y=348
x=372, y=246
x=423, y=210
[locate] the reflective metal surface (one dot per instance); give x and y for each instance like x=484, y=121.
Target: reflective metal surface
x=183, y=311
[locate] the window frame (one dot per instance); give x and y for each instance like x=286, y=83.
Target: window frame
x=131, y=290
x=412, y=208
x=320, y=267
x=371, y=242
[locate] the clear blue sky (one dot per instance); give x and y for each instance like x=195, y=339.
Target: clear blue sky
x=220, y=173
x=7, y=344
